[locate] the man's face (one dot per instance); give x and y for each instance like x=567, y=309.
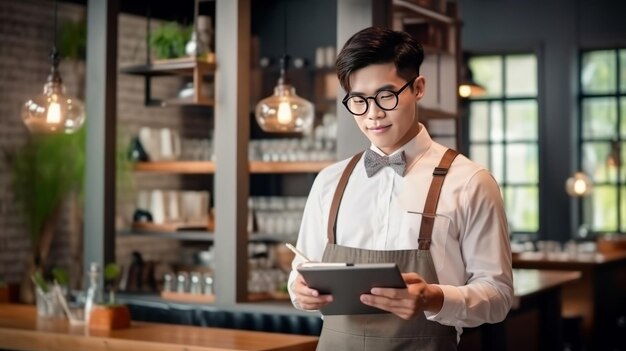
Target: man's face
x=388, y=130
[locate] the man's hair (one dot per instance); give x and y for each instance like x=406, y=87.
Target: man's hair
x=377, y=45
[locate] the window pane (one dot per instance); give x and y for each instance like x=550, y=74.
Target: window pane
x=487, y=71
x=599, y=118
x=521, y=166
x=479, y=153
x=595, y=155
x=599, y=72
x=623, y=117
x=497, y=162
x=521, y=75
x=497, y=129
x=522, y=208
x=601, y=206
x=478, y=121
x=622, y=63
x=521, y=120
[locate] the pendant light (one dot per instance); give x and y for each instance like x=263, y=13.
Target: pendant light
x=53, y=111
x=578, y=185
x=284, y=111
x=468, y=87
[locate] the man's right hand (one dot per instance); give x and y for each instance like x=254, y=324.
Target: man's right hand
x=307, y=298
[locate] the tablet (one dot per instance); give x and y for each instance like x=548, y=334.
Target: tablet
x=346, y=282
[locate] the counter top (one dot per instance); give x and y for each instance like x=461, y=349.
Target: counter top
x=20, y=329
x=529, y=282
x=564, y=259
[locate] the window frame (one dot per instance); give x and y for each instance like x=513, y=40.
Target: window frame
x=503, y=99
x=619, y=184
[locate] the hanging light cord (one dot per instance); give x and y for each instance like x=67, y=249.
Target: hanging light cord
x=284, y=61
x=55, y=59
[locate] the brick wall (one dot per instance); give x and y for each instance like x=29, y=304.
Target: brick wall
x=26, y=35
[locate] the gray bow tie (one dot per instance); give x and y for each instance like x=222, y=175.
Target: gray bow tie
x=374, y=162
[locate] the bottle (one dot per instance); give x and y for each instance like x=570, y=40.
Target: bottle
x=94, y=291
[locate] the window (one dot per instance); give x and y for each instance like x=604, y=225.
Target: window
x=503, y=133
x=602, y=138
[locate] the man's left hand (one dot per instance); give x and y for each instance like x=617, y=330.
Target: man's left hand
x=417, y=297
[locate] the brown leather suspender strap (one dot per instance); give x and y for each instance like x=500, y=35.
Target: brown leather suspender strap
x=432, y=199
x=341, y=187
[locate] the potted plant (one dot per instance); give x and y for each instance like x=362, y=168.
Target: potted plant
x=168, y=41
x=110, y=314
x=47, y=300
x=45, y=171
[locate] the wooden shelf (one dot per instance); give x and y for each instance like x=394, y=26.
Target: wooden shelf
x=203, y=101
x=432, y=113
x=288, y=167
x=181, y=66
x=413, y=10
x=208, y=167
x=186, y=167
x=196, y=235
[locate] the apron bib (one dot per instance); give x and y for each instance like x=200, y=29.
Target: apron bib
x=378, y=332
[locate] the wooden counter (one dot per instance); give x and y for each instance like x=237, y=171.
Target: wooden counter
x=598, y=297
x=20, y=329
x=534, y=320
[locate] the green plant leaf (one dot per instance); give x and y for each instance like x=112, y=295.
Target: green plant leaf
x=61, y=276
x=40, y=282
x=73, y=40
x=169, y=40
x=44, y=171
x=112, y=271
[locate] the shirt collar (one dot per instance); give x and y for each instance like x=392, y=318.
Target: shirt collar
x=413, y=149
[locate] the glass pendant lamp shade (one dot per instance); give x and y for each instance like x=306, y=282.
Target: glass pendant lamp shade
x=284, y=111
x=53, y=111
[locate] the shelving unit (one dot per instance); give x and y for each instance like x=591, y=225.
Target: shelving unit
x=439, y=34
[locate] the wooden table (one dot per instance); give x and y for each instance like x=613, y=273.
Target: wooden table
x=534, y=320
x=598, y=297
x=20, y=329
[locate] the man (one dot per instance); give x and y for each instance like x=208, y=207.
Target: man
x=451, y=245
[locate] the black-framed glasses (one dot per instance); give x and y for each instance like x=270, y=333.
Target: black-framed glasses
x=385, y=99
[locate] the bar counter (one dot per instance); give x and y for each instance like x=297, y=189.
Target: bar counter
x=20, y=329
x=597, y=298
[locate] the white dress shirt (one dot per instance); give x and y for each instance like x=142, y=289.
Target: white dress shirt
x=470, y=243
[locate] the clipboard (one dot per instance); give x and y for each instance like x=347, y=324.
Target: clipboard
x=347, y=281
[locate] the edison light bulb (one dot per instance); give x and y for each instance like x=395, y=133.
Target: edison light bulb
x=53, y=111
x=465, y=91
x=284, y=113
x=579, y=186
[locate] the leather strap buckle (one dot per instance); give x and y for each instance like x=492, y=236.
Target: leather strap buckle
x=440, y=171
x=423, y=244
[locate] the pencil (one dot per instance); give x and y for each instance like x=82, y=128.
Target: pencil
x=297, y=252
